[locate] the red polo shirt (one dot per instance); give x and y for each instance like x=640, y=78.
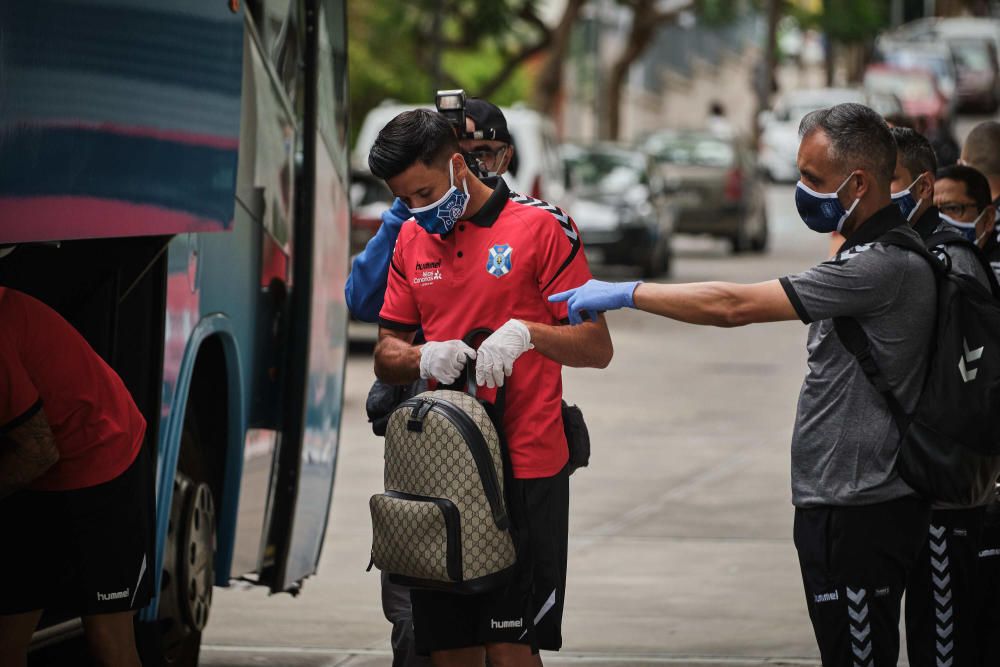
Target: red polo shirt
x=46, y=364
x=502, y=263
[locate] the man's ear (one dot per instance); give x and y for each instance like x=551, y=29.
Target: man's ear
x=460, y=167
x=863, y=183
x=509, y=158
x=925, y=188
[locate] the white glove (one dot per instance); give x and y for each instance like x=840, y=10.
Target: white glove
x=445, y=361
x=498, y=353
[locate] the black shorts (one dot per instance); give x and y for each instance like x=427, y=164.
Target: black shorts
x=86, y=551
x=529, y=609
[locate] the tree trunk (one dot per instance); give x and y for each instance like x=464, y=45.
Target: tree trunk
x=831, y=62
x=548, y=86
x=645, y=22
x=770, y=60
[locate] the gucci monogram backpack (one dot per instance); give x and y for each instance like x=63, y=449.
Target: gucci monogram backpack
x=442, y=522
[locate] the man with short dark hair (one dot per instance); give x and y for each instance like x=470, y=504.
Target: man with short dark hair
x=971, y=538
x=943, y=583
x=962, y=195
x=913, y=180
x=473, y=258
x=858, y=526
x=488, y=143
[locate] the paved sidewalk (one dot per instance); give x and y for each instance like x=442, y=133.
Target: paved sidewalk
x=681, y=547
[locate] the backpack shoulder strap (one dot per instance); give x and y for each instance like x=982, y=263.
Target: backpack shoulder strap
x=897, y=237
x=856, y=341
x=946, y=238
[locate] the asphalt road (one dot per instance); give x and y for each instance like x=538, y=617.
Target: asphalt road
x=680, y=547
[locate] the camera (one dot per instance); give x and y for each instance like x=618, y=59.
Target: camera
x=451, y=105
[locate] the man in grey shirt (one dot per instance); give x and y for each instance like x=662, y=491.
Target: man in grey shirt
x=858, y=526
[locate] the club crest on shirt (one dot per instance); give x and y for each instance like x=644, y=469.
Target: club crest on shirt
x=499, y=263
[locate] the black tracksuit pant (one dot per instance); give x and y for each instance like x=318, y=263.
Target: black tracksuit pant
x=943, y=592
x=855, y=562
x=988, y=613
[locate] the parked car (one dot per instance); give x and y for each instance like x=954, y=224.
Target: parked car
x=978, y=74
x=370, y=196
x=779, y=129
x=916, y=89
x=933, y=55
x=536, y=170
x=620, y=207
x=950, y=29
x=713, y=181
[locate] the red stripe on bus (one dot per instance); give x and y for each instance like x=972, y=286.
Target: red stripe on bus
x=173, y=136
x=25, y=219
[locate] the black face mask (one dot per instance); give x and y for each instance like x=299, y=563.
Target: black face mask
x=476, y=166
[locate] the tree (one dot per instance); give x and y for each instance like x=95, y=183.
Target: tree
x=648, y=16
x=549, y=82
x=405, y=49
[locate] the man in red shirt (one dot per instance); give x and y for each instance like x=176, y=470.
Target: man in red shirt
x=76, y=491
x=472, y=258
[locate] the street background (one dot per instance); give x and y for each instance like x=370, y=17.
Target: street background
x=680, y=529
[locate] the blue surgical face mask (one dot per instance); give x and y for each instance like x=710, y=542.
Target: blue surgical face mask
x=823, y=212
x=904, y=200
x=441, y=216
x=966, y=229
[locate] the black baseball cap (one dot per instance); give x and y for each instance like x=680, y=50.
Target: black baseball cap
x=489, y=120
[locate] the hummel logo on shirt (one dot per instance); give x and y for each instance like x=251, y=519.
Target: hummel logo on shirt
x=505, y=625
x=106, y=597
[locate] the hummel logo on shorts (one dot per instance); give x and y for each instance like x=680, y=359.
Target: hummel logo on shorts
x=827, y=597
x=105, y=597
x=504, y=625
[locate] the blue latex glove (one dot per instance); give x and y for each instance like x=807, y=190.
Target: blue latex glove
x=596, y=296
x=365, y=288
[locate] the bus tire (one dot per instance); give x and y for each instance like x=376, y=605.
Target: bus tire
x=189, y=557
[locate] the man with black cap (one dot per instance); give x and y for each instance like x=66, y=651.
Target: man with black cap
x=489, y=150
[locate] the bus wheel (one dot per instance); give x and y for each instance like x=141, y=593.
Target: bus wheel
x=189, y=571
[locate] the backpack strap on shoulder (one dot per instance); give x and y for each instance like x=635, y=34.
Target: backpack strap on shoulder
x=856, y=341
x=897, y=237
x=946, y=238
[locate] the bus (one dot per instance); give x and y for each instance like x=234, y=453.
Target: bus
x=174, y=181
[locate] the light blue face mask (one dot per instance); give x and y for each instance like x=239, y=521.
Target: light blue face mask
x=966, y=229
x=823, y=212
x=905, y=201
x=441, y=216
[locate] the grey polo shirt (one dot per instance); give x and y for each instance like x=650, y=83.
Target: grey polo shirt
x=845, y=442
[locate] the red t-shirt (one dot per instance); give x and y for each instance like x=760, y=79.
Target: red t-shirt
x=46, y=364
x=503, y=263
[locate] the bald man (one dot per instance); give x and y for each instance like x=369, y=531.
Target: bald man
x=982, y=151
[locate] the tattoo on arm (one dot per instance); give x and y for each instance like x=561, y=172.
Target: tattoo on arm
x=26, y=452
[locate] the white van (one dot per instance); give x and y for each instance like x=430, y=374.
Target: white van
x=537, y=169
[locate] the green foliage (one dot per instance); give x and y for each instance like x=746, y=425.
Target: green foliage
x=394, y=44
x=847, y=21
x=722, y=12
